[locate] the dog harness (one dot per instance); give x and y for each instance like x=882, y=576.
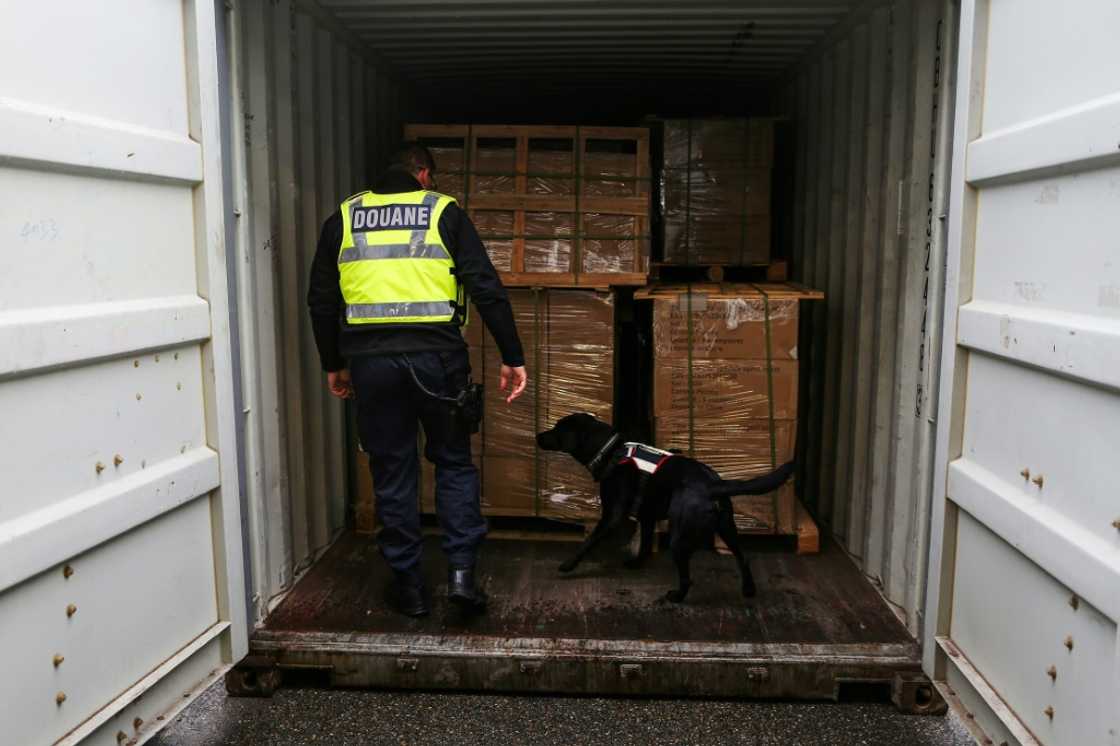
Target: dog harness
x=646, y=458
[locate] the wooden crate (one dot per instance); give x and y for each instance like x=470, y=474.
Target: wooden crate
x=557, y=206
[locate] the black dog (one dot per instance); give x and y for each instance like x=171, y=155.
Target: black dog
x=690, y=494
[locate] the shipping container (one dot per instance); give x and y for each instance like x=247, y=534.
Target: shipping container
x=179, y=488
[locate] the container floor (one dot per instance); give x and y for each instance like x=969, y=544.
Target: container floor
x=816, y=629
x=802, y=599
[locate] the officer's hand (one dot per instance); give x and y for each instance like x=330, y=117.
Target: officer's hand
x=515, y=376
x=339, y=383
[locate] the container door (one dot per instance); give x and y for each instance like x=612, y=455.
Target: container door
x=1025, y=568
x=121, y=567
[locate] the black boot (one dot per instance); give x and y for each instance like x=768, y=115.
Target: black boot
x=408, y=596
x=462, y=591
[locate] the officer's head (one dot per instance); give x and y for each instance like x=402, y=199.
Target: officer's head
x=416, y=160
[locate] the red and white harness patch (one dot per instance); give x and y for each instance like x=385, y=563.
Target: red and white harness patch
x=647, y=458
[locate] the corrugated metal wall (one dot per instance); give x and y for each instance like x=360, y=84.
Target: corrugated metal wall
x=318, y=113
x=871, y=111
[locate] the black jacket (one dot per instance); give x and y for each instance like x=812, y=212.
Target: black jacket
x=338, y=340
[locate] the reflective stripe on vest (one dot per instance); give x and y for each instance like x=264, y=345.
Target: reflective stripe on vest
x=393, y=265
x=392, y=251
x=423, y=309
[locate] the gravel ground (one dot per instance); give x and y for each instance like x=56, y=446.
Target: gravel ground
x=341, y=717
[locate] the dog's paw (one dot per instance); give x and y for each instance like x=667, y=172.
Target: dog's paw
x=568, y=566
x=634, y=563
x=675, y=596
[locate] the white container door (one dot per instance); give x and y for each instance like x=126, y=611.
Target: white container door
x=121, y=588
x=1025, y=569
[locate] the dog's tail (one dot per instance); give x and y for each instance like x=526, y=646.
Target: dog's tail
x=757, y=486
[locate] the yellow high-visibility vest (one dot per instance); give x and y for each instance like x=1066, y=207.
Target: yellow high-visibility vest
x=393, y=265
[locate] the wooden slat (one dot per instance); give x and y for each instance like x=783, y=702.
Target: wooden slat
x=614, y=133
x=808, y=535
x=521, y=184
x=468, y=168
x=524, y=130
x=777, y=271
x=577, y=248
x=599, y=280
x=722, y=291
x=532, y=203
x=414, y=131
x=637, y=206
x=549, y=131
x=604, y=279
x=641, y=161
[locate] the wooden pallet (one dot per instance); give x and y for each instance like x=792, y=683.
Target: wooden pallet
x=665, y=272
x=807, y=533
x=719, y=291
x=514, y=191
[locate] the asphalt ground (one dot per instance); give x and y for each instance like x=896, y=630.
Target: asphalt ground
x=296, y=716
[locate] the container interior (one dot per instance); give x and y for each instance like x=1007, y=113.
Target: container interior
x=862, y=94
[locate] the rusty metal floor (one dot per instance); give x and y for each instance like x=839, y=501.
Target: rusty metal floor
x=815, y=625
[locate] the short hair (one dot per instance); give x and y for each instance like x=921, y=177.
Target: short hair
x=411, y=157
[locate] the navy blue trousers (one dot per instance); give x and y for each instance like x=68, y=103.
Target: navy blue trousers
x=390, y=407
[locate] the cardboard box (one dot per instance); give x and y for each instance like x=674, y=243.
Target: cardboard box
x=700, y=240
x=737, y=389
x=728, y=325
x=568, y=336
x=718, y=190
x=732, y=403
x=715, y=178
x=747, y=142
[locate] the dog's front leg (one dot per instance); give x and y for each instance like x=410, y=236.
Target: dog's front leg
x=602, y=528
x=645, y=543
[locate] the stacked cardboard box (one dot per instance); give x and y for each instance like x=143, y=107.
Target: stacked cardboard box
x=556, y=206
x=725, y=385
x=566, y=207
x=568, y=337
x=715, y=191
